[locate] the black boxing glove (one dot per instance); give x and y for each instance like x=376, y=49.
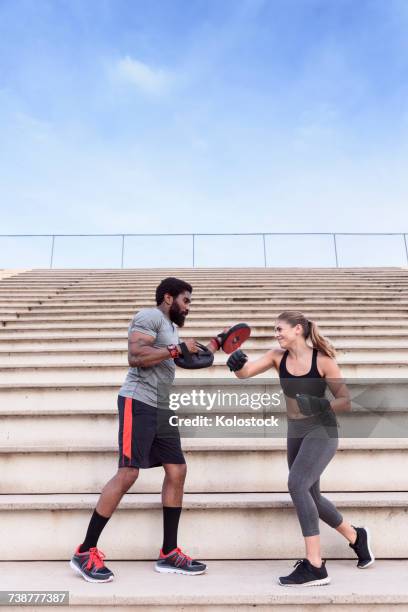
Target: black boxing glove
x=237, y=360
x=320, y=407
x=310, y=405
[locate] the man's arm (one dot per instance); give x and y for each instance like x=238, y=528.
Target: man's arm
x=142, y=353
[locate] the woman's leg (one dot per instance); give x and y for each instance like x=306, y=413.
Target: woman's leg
x=326, y=509
x=315, y=452
x=347, y=531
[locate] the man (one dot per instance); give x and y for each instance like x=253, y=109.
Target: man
x=153, y=344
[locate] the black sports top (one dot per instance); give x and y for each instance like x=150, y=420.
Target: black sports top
x=311, y=383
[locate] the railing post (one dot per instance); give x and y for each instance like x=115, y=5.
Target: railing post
x=123, y=251
x=264, y=249
x=52, y=251
x=406, y=247
x=335, y=250
x=193, y=236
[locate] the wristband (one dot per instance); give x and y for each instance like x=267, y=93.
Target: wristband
x=173, y=350
x=215, y=342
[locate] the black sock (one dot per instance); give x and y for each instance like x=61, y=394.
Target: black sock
x=96, y=524
x=171, y=518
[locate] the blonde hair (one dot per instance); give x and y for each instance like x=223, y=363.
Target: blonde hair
x=310, y=330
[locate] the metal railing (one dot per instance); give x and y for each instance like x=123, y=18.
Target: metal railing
x=193, y=237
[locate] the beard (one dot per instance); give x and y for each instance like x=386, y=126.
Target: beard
x=176, y=316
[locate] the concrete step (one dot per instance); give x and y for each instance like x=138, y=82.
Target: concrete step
x=248, y=464
x=384, y=393
x=115, y=372
x=212, y=283
x=209, y=319
x=201, y=312
x=263, y=324
x=256, y=291
x=119, y=356
x=216, y=287
x=239, y=312
x=211, y=288
x=393, y=300
x=64, y=311
x=247, y=276
x=99, y=344
x=217, y=275
x=103, y=427
x=384, y=329
x=22, y=282
x=35, y=344
x=233, y=280
x=152, y=276
x=228, y=586
x=37, y=292
x=24, y=311
x=149, y=275
x=236, y=297
x=17, y=303
x=133, y=297
x=130, y=308
x=58, y=523
x=59, y=339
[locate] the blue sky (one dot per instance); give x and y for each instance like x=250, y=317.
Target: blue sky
x=203, y=115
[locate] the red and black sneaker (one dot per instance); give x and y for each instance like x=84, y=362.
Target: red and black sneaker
x=91, y=566
x=176, y=562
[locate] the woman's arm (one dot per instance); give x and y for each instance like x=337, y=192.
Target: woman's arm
x=267, y=361
x=332, y=373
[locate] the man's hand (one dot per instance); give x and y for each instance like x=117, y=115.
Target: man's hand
x=191, y=344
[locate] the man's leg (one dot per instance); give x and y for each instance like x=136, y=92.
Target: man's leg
x=172, y=499
x=109, y=499
x=88, y=560
x=173, y=560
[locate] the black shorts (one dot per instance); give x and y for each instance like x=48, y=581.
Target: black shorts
x=145, y=437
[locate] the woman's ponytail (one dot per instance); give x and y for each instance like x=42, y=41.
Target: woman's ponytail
x=319, y=342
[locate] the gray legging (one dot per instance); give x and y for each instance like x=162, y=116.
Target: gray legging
x=311, y=446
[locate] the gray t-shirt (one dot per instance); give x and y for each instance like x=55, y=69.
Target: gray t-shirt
x=144, y=384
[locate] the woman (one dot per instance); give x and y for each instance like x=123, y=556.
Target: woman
x=305, y=371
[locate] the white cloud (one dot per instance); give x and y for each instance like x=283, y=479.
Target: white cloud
x=147, y=79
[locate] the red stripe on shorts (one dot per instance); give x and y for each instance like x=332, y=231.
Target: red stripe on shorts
x=127, y=429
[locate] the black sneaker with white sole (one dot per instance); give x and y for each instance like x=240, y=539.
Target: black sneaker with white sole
x=91, y=566
x=362, y=548
x=306, y=574
x=176, y=562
